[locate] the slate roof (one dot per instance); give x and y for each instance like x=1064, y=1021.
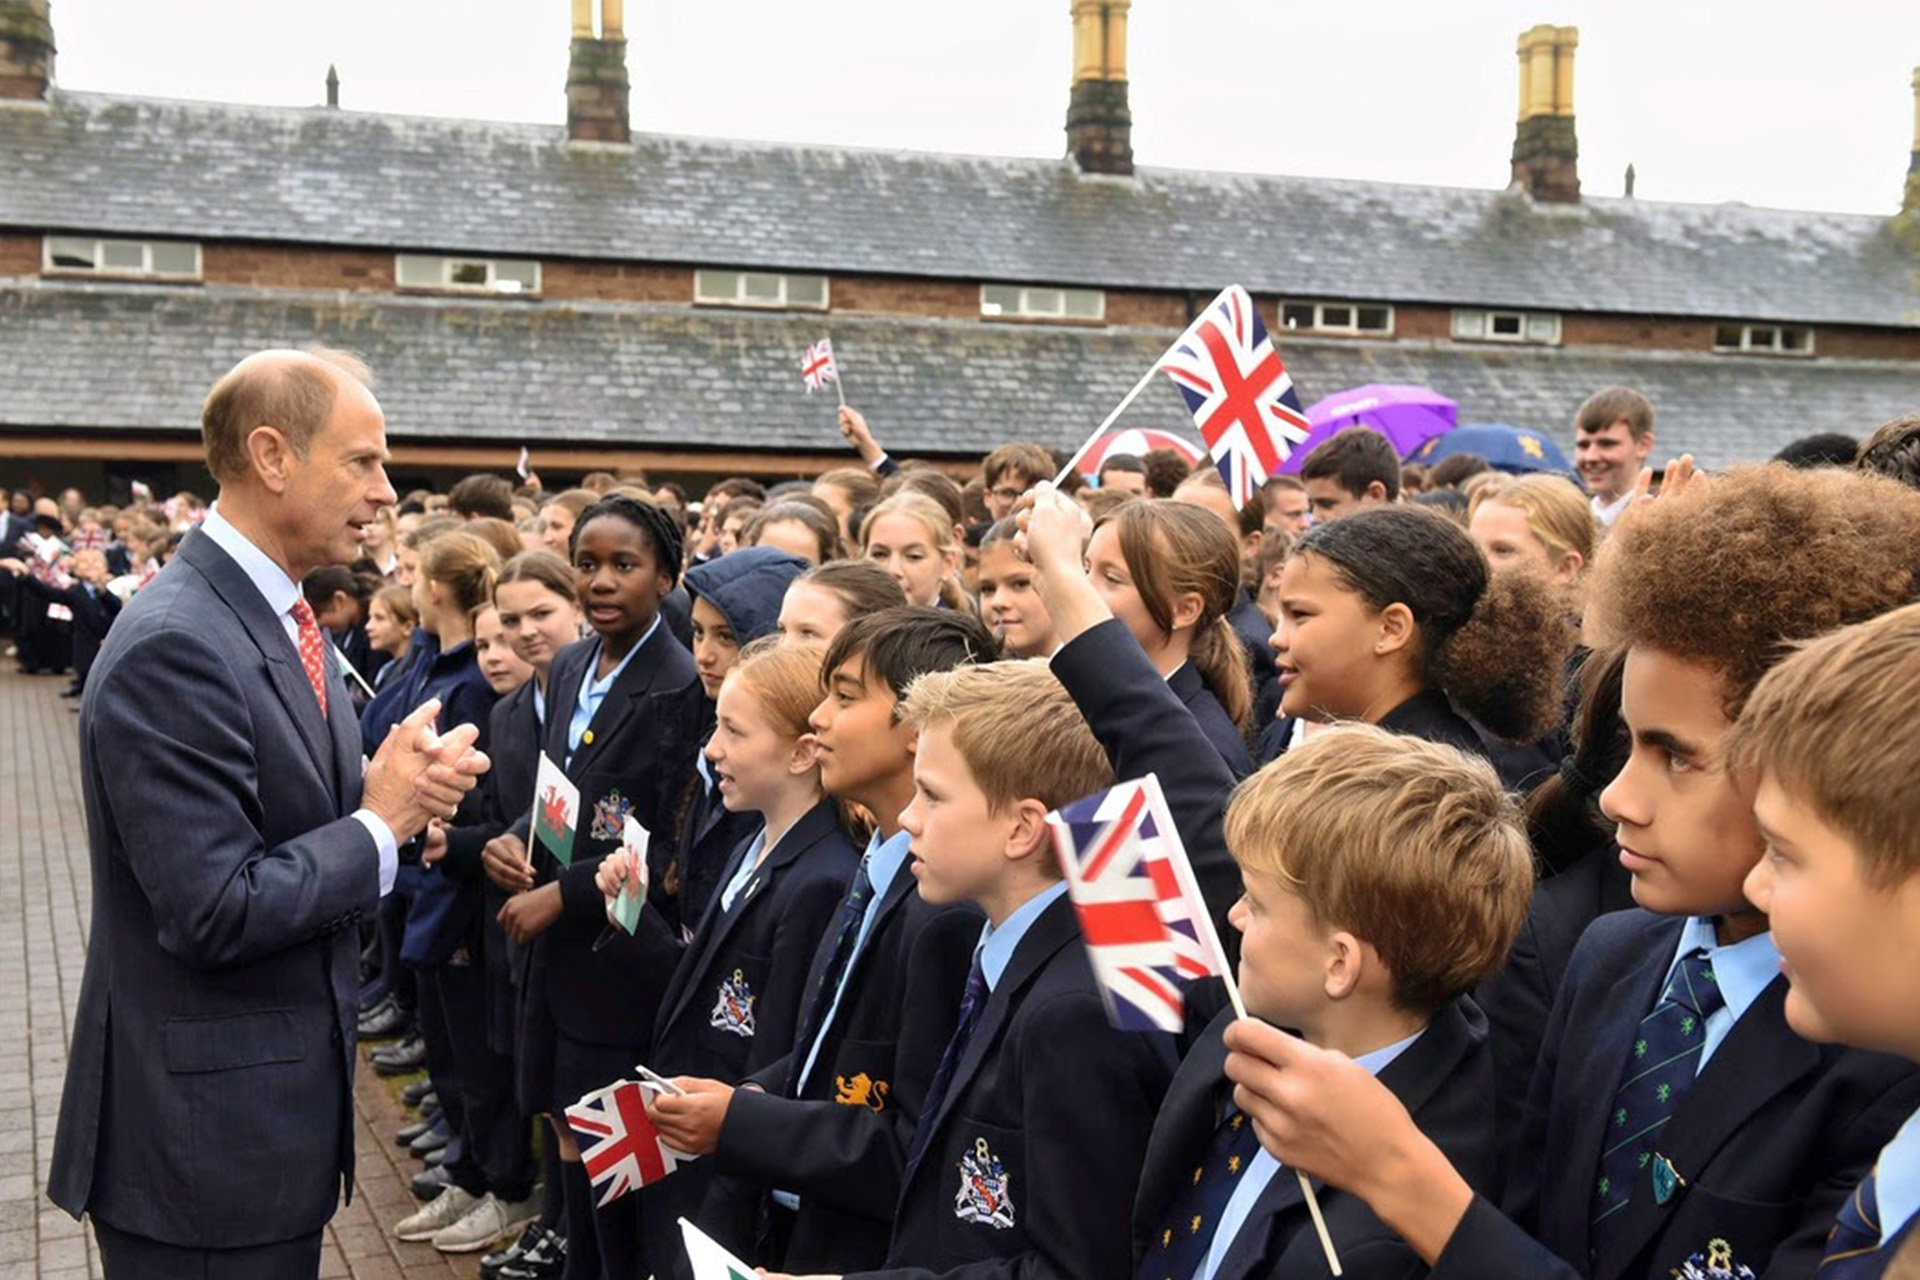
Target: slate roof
x=99, y=357
x=113, y=164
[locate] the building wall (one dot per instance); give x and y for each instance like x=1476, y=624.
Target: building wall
x=366, y=271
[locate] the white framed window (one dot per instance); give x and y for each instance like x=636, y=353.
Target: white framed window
x=1541, y=328
x=478, y=275
x=162, y=259
x=1039, y=302
x=760, y=289
x=1769, y=339
x=1337, y=317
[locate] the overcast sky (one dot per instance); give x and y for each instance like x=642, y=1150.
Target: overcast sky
x=1808, y=106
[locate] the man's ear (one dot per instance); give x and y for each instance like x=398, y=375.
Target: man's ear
x=270, y=455
x=1376, y=492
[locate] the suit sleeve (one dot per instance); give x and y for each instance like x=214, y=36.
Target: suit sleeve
x=1144, y=729
x=191, y=816
x=1855, y=1149
x=1083, y=1156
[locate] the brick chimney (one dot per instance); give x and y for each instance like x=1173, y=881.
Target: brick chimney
x=1099, y=125
x=1910, y=202
x=597, y=76
x=1546, y=153
x=26, y=49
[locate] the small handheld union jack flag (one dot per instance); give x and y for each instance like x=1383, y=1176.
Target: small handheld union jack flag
x=817, y=368
x=628, y=1151
x=1238, y=392
x=1146, y=927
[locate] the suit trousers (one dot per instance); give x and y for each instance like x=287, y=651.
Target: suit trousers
x=131, y=1257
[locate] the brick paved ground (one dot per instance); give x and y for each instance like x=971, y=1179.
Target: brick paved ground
x=44, y=903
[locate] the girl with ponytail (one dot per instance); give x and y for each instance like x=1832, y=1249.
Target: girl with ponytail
x=1390, y=616
x=1171, y=572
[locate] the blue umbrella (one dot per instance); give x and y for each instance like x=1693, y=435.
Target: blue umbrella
x=1512, y=449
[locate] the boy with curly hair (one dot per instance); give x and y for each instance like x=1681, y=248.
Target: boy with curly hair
x=1676, y=1124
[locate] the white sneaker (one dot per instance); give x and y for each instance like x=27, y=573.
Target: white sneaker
x=437, y=1214
x=488, y=1220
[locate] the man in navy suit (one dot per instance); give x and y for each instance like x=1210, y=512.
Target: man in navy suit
x=206, y=1124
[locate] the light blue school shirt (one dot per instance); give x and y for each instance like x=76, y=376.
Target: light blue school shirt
x=1896, y=1182
x=1742, y=971
x=744, y=872
x=997, y=945
x=594, y=692
x=1262, y=1167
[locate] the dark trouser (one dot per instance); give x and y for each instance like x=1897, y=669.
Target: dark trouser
x=130, y=1257
x=444, y=1070
x=394, y=977
x=497, y=1146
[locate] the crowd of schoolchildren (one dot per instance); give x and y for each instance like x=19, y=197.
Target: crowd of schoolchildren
x=1563, y=840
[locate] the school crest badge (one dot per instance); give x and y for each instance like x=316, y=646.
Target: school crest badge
x=986, y=1193
x=861, y=1091
x=1715, y=1263
x=733, y=1011
x=610, y=816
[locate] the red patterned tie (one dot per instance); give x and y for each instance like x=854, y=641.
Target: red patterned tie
x=313, y=652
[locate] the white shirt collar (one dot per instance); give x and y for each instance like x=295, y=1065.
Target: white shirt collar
x=268, y=578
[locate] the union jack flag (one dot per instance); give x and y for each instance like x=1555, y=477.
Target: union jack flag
x=628, y=1151
x=1146, y=928
x=1238, y=392
x=817, y=368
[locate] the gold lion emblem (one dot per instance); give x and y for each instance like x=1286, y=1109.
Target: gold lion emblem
x=861, y=1091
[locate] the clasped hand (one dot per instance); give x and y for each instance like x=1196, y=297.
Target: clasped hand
x=418, y=774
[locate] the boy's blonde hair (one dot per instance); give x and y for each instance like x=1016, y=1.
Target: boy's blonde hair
x=1558, y=514
x=1019, y=732
x=1409, y=845
x=1833, y=726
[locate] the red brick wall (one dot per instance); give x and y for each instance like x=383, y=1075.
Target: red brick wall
x=616, y=281
x=295, y=267
x=19, y=254
x=886, y=295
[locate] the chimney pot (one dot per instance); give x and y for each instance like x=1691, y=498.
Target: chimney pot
x=1629, y=180
x=1546, y=150
x=1910, y=199
x=597, y=86
x=1099, y=123
x=26, y=49
x=333, y=86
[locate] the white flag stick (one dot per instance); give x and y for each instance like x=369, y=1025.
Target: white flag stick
x=1210, y=942
x=1121, y=408
x=347, y=667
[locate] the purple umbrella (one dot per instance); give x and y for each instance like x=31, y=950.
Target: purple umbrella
x=1408, y=416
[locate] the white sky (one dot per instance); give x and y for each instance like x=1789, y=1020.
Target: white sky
x=1712, y=101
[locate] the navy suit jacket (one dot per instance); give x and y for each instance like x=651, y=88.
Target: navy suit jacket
x=1445, y=1079
x=1047, y=1115
x=1769, y=1140
x=841, y=1144
x=208, y=1094
x=644, y=735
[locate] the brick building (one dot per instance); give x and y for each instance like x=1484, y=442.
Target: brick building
x=616, y=299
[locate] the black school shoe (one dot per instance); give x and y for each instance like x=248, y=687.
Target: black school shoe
x=545, y=1260
x=414, y=1094
x=400, y=1059
x=491, y=1263
x=385, y=1022
x=427, y=1120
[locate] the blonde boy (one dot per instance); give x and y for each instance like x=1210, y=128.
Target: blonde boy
x=1028, y=1152
x=1385, y=876
x=1830, y=736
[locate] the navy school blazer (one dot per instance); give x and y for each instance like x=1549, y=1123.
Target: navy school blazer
x=644, y=734
x=737, y=995
x=1769, y=1140
x=1036, y=1150
x=1445, y=1080
x=841, y=1144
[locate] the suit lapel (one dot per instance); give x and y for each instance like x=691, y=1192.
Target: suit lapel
x=284, y=670
x=1188, y=1117
x=1760, y=1058
x=1055, y=928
